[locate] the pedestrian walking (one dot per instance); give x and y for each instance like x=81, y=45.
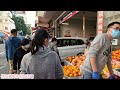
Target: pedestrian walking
x=20, y=52
x=53, y=47
x=41, y=61
x=99, y=53
x=11, y=44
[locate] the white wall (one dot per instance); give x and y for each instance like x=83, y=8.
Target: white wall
x=75, y=27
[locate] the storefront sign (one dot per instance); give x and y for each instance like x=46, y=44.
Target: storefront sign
x=100, y=23
x=69, y=16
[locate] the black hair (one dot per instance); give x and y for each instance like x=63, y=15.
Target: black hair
x=53, y=39
x=13, y=31
x=25, y=41
x=88, y=43
x=38, y=40
x=111, y=24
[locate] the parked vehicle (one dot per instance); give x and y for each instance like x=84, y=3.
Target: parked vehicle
x=70, y=46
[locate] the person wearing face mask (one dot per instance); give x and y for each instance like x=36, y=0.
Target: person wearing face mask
x=20, y=52
x=42, y=62
x=99, y=53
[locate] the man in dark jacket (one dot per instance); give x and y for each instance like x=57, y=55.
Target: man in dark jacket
x=11, y=44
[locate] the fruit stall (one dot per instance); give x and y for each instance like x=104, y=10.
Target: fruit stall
x=73, y=64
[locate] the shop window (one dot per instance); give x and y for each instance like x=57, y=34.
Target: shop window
x=79, y=42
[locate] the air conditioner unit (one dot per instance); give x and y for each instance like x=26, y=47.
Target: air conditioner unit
x=115, y=42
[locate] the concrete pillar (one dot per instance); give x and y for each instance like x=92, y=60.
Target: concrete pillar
x=84, y=24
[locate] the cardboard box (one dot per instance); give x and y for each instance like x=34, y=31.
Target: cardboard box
x=116, y=72
x=67, y=63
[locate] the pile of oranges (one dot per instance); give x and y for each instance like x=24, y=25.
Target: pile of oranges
x=75, y=58
x=116, y=55
x=70, y=58
x=71, y=71
x=115, y=66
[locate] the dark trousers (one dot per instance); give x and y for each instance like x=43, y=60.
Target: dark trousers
x=16, y=64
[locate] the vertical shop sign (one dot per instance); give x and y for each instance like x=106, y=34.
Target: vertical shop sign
x=100, y=22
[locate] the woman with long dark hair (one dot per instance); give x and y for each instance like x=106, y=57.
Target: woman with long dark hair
x=42, y=62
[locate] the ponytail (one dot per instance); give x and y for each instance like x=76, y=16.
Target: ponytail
x=35, y=45
x=38, y=40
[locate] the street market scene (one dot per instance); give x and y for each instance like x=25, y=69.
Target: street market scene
x=59, y=44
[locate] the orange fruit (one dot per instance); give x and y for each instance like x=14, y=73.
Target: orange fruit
x=68, y=71
x=79, y=74
x=71, y=75
x=75, y=74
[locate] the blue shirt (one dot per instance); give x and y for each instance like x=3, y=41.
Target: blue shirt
x=11, y=44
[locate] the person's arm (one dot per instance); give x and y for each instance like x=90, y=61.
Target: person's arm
x=6, y=49
x=93, y=64
x=59, y=69
x=24, y=66
x=109, y=65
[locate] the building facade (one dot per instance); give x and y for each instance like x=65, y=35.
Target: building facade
x=6, y=23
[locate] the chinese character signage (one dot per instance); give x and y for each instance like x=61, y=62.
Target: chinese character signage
x=100, y=22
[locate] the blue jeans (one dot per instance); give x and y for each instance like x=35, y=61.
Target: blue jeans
x=88, y=75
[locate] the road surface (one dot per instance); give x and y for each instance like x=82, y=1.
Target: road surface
x=3, y=62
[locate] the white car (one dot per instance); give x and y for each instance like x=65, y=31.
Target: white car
x=70, y=46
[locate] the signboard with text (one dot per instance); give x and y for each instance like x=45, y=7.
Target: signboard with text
x=100, y=23
x=71, y=14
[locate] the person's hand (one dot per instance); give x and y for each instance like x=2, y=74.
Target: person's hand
x=95, y=75
x=112, y=77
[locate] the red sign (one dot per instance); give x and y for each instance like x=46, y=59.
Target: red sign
x=34, y=28
x=100, y=22
x=69, y=16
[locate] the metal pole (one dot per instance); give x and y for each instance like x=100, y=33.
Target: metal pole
x=55, y=29
x=60, y=15
x=84, y=24
x=55, y=23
